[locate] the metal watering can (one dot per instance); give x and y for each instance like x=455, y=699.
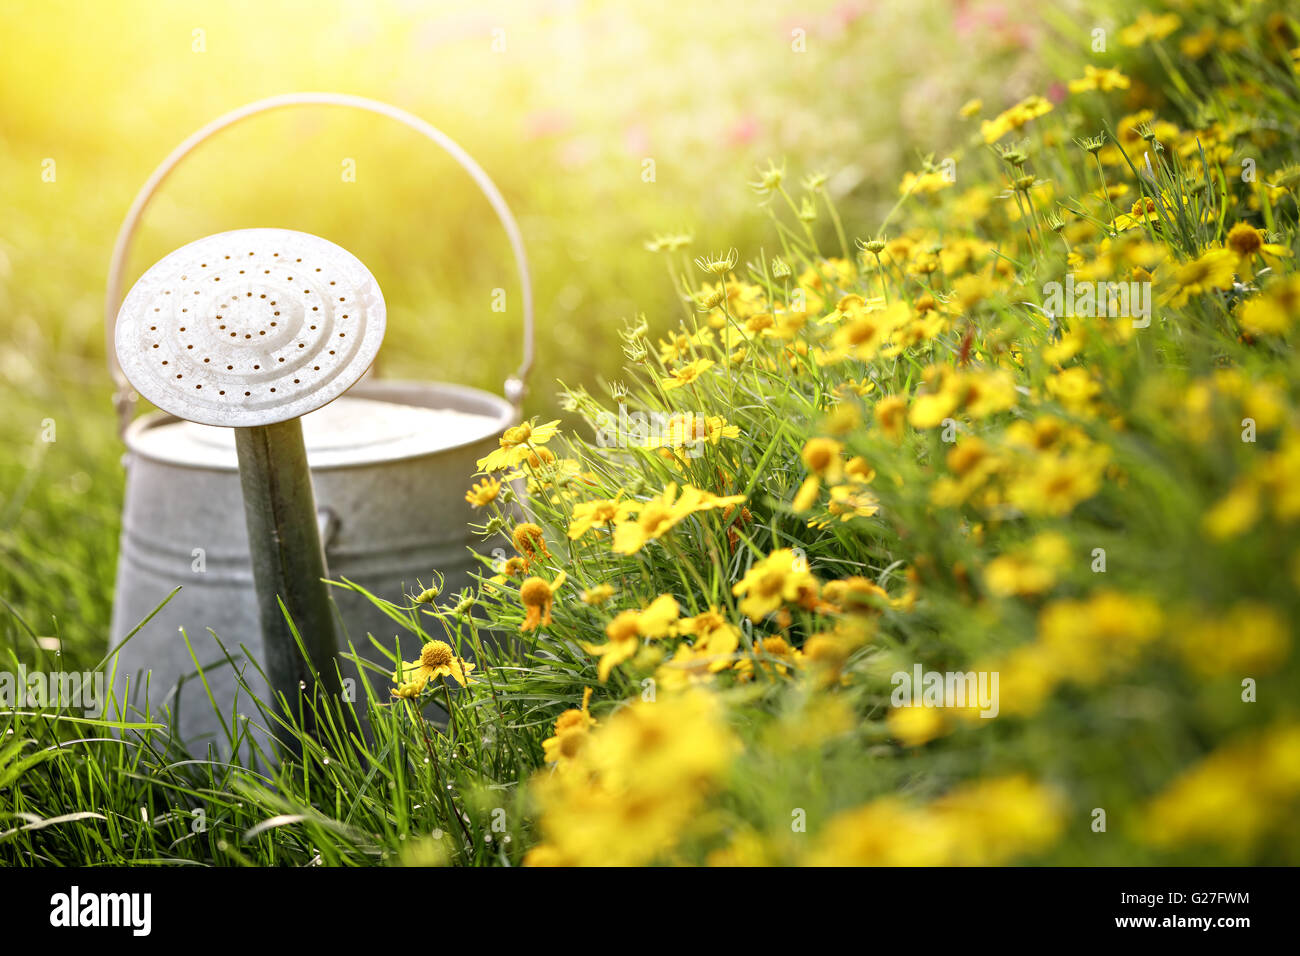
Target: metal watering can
x=243, y=503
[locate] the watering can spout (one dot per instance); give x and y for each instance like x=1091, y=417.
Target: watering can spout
x=289, y=574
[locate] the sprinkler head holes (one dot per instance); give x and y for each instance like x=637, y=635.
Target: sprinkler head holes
x=250, y=327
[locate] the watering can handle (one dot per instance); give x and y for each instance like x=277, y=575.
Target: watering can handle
x=125, y=398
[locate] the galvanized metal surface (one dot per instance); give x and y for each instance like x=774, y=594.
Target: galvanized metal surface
x=288, y=562
x=250, y=327
x=349, y=431
x=394, y=519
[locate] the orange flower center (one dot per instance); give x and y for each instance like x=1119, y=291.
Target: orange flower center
x=436, y=654
x=1245, y=240
x=535, y=593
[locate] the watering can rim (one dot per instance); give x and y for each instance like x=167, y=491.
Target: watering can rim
x=125, y=397
x=324, y=460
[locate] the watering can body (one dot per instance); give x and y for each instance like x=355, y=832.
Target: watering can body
x=390, y=463
x=387, y=514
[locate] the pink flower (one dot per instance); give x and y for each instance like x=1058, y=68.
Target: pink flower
x=637, y=139
x=742, y=131
x=543, y=123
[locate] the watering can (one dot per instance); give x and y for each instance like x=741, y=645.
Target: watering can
x=376, y=475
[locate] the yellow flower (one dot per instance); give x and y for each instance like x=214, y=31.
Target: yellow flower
x=517, y=444
x=511, y=568
x=1095, y=79
x=537, y=595
x=625, y=631
x=774, y=656
x=588, y=514
x=981, y=823
x=529, y=541
x=436, y=660
x=1234, y=797
x=1272, y=312
x=829, y=652
x=821, y=456
x=1248, y=242
x=864, y=332
x=1250, y=638
x=916, y=725
x=1030, y=571
x=688, y=373
x=781, y=577
x=848, y=502
x=806, y=496
x=1214, y=270
x=571, y=733
x=859, y=471
x=670, y=350
x=970, y=108
x=598, y=594
x=484, y=492
x=1074, y=388
x=1014, y=118
x=717, y=640
x=1104, y=634
x=1143, y=211
x=747, y=849
x=637, y=786
x=1234, y=514
x=1054, y=484
x=658, y=516
x=891, y=415
x=923, y=183
x=691, y=429
x=1149, y=27
x=1027, y=675
x=856, y=594
x=1196, y=45
x=546, y=855
x=979, y=394
x=973, y=289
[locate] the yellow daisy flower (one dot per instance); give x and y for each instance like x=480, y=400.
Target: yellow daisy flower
x=537, y=597
x=1214, y=270
x=436, y=660
x=779, y=578
x=517, y=444
x=625, y=631
x=688, y=373
x=1103, y=80
x=483, y=493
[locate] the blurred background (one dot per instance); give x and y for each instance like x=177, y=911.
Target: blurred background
x=564, y=103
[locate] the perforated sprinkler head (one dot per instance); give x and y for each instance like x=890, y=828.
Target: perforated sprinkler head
x=250, y=327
